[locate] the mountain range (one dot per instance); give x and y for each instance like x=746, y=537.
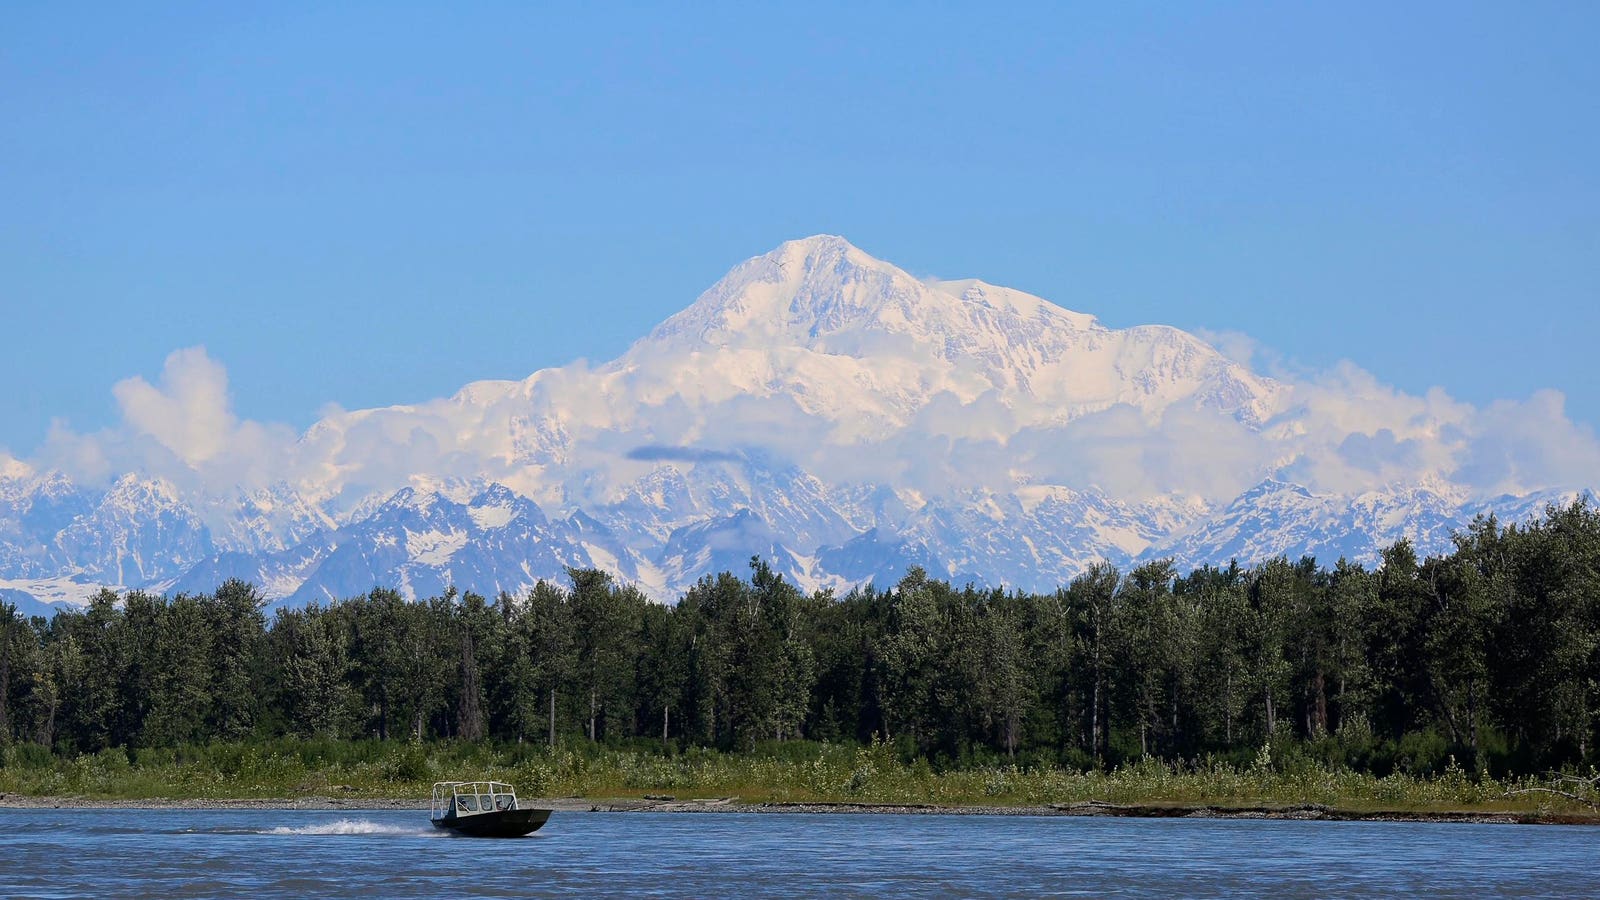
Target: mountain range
x=817, y=407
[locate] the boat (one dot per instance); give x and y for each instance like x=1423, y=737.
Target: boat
x=483, y=809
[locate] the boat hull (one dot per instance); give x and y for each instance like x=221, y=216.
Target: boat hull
x=500, y=823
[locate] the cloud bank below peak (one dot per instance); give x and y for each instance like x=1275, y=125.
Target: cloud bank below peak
x=844, y=388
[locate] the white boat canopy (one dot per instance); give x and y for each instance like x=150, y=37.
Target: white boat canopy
x=468, y=798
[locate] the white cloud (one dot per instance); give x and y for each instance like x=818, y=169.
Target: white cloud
x=1347, y=432
x=181, y=428
x=188, y=414
x=1341, y=431
x=83, y=457
x=1514, y=447
x=1125, y=454
x=1235, y=345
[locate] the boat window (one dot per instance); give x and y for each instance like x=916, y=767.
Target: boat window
x=468, y=803
x=503, y=802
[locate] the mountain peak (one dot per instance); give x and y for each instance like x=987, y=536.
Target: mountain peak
x=824, y=293
x=813, y=246
x=867, y=346
x=825, y=257
x=139, y=488
x=788, y=295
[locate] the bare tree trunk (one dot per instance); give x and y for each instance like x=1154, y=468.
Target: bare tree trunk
x=1338, y=723
x=1583, y=731
x=1094, y=712
x=1227, y=710
x=592, y=707
x=1105, y=730
x=47, y=736
x=552, y=718
x=1322, y=703
x=1272, y=714
x=1472, y=714
x=664, y=724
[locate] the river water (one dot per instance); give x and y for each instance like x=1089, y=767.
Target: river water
x=273, y=853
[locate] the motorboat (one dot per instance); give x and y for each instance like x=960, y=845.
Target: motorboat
x=483, y=809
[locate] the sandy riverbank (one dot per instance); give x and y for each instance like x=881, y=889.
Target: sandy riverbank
x=1306, y=812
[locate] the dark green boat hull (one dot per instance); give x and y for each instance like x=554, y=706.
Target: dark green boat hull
x=500, y=823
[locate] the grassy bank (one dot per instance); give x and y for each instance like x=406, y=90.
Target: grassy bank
x=788, y=773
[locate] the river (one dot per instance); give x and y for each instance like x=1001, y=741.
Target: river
x=58, y=853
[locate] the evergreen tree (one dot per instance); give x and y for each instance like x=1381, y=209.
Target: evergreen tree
x=181, y=686
x=908, y=653
x=1092, y=597
x=548, y=633
x=606, y=630
x=234, y=625
x=313, y=650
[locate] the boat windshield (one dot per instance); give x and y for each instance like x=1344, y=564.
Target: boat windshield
x=471, y=797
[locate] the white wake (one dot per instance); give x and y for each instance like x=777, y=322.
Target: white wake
x=352, y=826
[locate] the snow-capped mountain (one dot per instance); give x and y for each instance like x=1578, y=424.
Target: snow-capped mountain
x=141, y=531
x=817, y=407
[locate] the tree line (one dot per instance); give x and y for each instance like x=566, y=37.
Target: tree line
x=1489, y=655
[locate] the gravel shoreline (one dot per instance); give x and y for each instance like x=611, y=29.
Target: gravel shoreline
x=1304, y=812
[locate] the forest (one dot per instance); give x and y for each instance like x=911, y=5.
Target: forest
x=1486, y=658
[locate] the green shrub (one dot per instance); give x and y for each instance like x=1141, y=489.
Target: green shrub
x=26, y=756
x=1422, y=753
x=1282, y=772
x=407, y=764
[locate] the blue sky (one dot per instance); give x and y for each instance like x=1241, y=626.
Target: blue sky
x=377, y=204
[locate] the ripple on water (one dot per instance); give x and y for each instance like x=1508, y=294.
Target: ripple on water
x=266, y=853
